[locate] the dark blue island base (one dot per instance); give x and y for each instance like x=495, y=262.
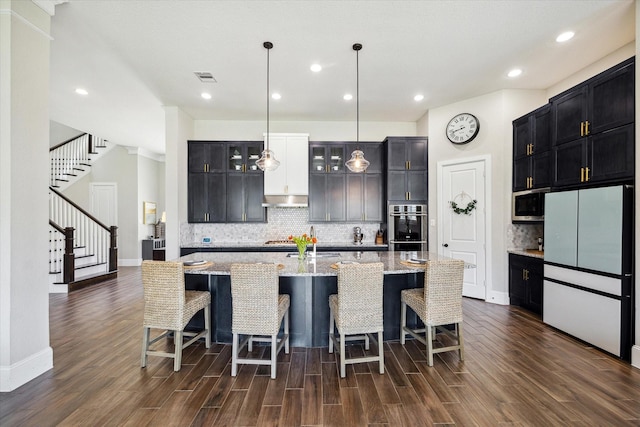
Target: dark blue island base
x=309, y=311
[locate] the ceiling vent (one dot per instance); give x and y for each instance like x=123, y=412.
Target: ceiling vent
x=205, y=76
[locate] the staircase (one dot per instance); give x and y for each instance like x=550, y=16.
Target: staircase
x=82, y=250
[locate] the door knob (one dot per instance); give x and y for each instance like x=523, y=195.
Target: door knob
x=446, y=245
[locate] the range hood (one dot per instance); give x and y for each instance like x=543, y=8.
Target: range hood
x=285, y=201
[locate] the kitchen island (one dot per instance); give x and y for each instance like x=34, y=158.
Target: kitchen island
x=309, y=283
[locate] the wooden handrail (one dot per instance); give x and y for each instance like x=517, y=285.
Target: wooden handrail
x=56, y=226
x=66, y=199
x=67, y=141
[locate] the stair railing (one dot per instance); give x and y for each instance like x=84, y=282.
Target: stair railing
x=86, y=230
x=61, y=256
x=72, y=156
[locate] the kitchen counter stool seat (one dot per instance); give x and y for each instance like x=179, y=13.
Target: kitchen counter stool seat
x=356, y=311
x=257, y=312
x=168, y=306
x=438, y=303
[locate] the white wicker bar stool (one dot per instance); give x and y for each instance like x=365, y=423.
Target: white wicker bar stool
x=257, y=312
x=356, y=311
x=439, y=303
x=167, y=305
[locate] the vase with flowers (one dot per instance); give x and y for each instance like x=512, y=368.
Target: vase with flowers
x=302, y=242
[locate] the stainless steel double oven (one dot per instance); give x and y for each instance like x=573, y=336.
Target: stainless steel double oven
x=408, y=228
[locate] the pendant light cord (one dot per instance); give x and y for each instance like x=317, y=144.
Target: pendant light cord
x=268, y=45
x=358, y=97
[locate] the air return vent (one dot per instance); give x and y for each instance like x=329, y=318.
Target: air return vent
x=205, y=76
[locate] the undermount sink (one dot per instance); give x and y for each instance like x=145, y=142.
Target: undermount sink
x=318, y=255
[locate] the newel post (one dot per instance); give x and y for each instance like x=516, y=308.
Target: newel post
x=69, y=268
x=113, y=248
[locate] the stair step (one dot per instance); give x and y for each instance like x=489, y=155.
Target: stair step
x=63, y=180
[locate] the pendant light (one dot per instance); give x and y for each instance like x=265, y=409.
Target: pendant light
x=357, y=162
x=267, y=161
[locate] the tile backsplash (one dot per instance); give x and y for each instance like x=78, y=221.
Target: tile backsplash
x=281, y=222
x=524, y=236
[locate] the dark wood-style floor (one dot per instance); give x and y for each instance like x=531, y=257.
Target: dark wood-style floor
x=517, y=371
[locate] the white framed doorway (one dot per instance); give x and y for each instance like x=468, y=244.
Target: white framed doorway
x=466, y=235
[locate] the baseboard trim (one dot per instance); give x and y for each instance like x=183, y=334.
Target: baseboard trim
x=501, y=298
x=20, y=373
x=122, y=262
x=635, y=356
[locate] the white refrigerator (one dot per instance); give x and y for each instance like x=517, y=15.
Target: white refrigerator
x=588, y=266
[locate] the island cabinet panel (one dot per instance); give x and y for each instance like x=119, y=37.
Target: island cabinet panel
x=309, y=309
x=224, y=183
x=525, y=282
x=531, y=145
x=593, y=122
x=407, y=169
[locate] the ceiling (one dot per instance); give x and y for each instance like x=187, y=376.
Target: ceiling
x=134, y=57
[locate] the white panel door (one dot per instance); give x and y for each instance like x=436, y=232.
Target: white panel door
x=464, y=235
x=104, y=205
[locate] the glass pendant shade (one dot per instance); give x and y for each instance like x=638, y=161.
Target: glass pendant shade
x=357, y=162
x=267, y=161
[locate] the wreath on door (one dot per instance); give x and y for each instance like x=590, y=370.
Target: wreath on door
x=460, y=210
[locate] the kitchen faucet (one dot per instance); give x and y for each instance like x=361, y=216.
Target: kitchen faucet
x=312, y=232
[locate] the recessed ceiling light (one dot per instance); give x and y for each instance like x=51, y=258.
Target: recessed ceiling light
x=515, y=72
x=316, y=68
x=567, y=35
x=418, y=97
x=347, y=97
x=205, y=95
x=276, y=95
x=81, y=91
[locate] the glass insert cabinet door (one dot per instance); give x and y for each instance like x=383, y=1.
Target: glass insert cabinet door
x=327, y=158
x=242, y=157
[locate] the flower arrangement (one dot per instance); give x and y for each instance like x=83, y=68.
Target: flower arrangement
x=302, y=242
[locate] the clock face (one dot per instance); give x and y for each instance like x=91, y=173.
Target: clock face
x=462, y=128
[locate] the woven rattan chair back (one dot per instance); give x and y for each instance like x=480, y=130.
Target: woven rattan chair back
x=164, y=297
x=360, y=298
x=254, y=296
x=443, y=291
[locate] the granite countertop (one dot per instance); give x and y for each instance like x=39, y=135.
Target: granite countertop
x=533, y=253
x=252, y=244
x=320, y=266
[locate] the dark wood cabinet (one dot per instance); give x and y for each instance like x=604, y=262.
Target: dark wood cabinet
x=407, y=169
x=364, y=193
x=525, y=282
x=592, y=124
x=327, y=197
x=224, y=183
x=531, y=145
x=207, y=197
x=206, y=157
x=603, y=157
x=335, y=193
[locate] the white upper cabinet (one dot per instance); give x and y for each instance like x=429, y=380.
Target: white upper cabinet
x=292, y=176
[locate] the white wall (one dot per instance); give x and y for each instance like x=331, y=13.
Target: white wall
x=24, y=164
x=495, y=111
x=318, y=131
x=635, y=353
x=178, y=130
x=148, y=191
x=59, y=133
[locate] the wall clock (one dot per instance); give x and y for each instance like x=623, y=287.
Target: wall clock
x=462, y=128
